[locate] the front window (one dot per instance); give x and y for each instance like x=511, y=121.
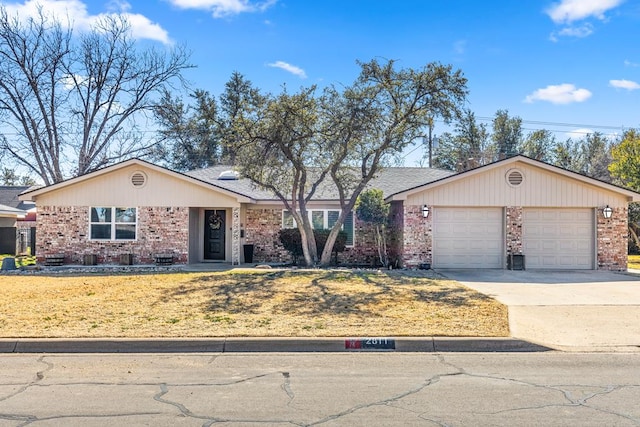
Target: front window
x=322, y=219
x=111, y=223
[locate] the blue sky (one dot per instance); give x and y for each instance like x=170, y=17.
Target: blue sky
x=563, y=65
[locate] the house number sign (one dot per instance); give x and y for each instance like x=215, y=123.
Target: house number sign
x=370, y=344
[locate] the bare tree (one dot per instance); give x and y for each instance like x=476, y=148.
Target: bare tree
x=72, y=103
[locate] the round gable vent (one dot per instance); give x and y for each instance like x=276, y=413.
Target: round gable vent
x=514, y=177
x=138, y=179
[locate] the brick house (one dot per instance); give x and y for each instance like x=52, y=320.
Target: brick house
x=549, y=217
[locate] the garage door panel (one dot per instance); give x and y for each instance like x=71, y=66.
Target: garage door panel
x=468, y=238
x=465, y=261
x=558, y=238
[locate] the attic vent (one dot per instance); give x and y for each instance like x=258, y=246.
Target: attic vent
x=138, y=179
x=228, y=175
x=514, y=177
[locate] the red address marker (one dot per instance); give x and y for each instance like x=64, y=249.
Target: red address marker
x=370, y=344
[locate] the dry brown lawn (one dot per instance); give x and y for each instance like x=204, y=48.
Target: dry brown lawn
x=245, y=303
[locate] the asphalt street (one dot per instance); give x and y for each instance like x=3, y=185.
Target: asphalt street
x=329, y=389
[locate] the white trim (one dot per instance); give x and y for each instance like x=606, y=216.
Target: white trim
x=113, y=223
x=632, y=196
x=33, y=194
x=325, y=221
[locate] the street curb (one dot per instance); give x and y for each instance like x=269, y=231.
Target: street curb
x=262, y=345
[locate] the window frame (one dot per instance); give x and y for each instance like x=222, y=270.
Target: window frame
x=113, y=224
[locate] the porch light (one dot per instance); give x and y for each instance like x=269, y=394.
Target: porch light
x=425, y=211
x=607, y=212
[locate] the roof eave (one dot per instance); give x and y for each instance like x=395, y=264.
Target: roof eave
x=631, y=195
x=32, y=194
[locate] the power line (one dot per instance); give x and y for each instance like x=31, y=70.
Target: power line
x=480, y=118
x=561, y=124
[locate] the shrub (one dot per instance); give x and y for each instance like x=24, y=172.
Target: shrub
x=292, y=242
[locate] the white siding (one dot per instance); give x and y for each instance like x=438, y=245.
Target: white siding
x=115, y=189
x=468, y=238
x=539, y=188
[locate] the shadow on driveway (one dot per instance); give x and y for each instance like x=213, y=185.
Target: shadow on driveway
x=538, y=276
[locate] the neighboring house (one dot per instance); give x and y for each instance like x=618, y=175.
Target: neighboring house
x=473, y=219
x=24, y=229
x=8, y=219
x=9, y=196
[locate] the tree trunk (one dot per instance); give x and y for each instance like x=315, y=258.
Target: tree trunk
x=308, y=261
x=634, y=235
x=381, y=243
x=331, y=240
x=309, y=248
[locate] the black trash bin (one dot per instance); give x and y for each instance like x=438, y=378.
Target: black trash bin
x=9, y=263
x=248, y=253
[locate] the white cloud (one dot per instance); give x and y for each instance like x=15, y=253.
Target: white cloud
x=290, y=68
x=580, y=32
x=568, y=11
x=559, y=94
x=221, y=8
x=460, y=47
x=75, y=12
x=628, y=63
x=624, y=84
x=579, y=133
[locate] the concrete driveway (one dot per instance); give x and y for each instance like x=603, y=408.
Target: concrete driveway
x=565, y=310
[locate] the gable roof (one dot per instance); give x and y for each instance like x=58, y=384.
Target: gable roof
x=389, y=180
x=631, y=195
x=33, y=193
x=8, y=211
x=396, y=183
x=9, y=196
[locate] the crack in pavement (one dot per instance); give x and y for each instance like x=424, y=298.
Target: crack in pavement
x=164, y=389
x=39, y=377
x=32, y=419
x=566, y=394
x=430, y=381
x=571, y=401
x=183, y=409
x=27, y=419
x=286, y=386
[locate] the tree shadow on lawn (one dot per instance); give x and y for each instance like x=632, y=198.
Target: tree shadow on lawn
x=321, y=299
x=322, y=294
x=232, y=293
x=444, y=292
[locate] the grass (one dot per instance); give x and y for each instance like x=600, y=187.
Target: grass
x=634, y=262
x=245, y=303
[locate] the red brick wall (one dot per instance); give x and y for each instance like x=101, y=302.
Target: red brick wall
x=396, y=234
x=66, y=230
x=612, y=241
x=364, y=251
x=261, y=230
x=514, y=230
x=417, y=237
x=262, y=227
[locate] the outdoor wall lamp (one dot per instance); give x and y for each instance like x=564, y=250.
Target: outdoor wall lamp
x=425, y=211
x=607, y=212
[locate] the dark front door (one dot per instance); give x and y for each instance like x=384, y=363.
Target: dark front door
x=214, y=227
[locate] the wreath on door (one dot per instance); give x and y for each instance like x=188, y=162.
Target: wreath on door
x=215, y=222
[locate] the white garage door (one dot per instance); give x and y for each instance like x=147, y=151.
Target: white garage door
x=467, y=238
x=558, y=238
